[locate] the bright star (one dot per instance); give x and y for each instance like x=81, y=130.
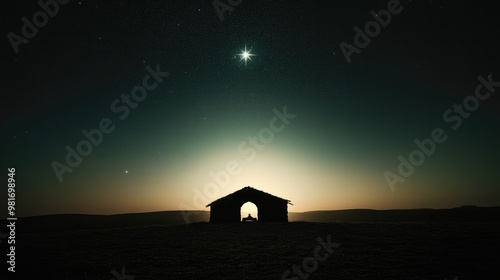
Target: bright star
x=126, y=171
x=246, y=55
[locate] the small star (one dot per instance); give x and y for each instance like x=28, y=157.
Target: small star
x=246, y=55
x=126, y=171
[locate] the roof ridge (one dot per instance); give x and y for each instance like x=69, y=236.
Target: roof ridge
x=246, y=188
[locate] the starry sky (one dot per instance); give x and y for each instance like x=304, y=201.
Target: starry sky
x=326, y=132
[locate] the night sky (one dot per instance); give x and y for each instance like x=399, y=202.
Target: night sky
x=347, y=124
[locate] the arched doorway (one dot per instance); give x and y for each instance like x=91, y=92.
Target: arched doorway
x=249, y=208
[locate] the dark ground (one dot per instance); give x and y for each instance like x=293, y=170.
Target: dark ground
x=264, y=251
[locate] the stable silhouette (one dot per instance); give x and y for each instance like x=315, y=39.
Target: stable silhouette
x=270, y=208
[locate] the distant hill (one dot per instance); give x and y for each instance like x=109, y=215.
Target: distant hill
x=460, y=214
x=70, y=222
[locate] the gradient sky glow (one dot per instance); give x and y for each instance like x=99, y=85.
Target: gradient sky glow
x=352, y=121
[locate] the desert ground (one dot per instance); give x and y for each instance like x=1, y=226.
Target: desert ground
x=368, y=250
